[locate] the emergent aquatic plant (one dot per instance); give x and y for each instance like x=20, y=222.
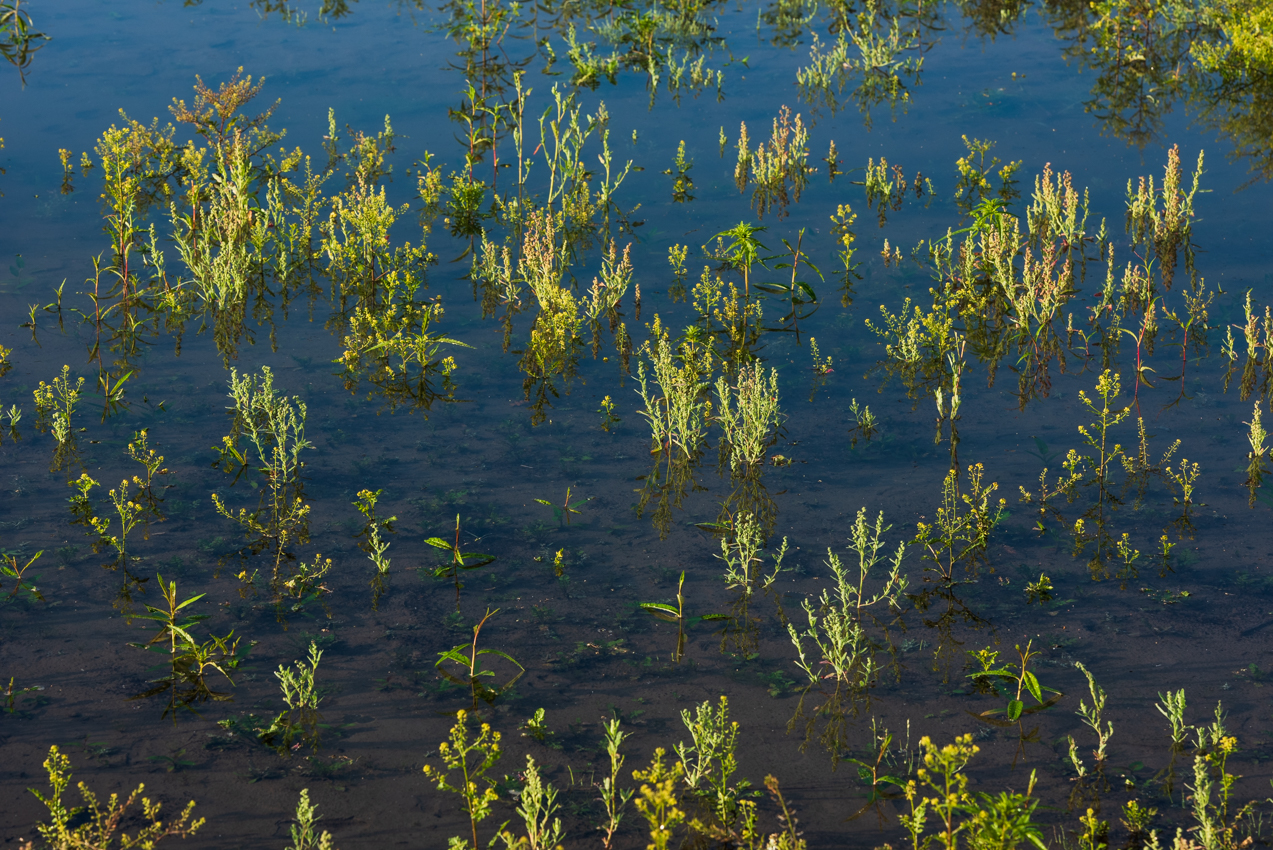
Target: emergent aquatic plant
x=473, y=757
x=467, y=658
x=993, y=676
x=657, y=799
x=304, y=835
x=274, y=425
x=563, y=511
x=537, y=805
x=668, y=614
x=740, y=548
x=845, y=651
x=22, y=584
x=1255, y=468
x=614, y=798
x=190, y=661
x=373, y=542
x=459, y=560
x=961, y=531
x=299, y=724
x=54, y=406
x=96, y=826
x=678, y=418
x=707, y=766
x=748, y=414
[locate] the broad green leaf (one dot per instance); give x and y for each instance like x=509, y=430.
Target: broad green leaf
x=1014, y=709
x=1032, y=685
x=501, y=654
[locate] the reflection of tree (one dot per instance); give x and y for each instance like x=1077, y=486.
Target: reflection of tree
x=1147, y=56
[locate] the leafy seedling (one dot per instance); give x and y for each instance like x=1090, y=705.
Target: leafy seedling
x=796, y=292
x=668, y=614
x=459, y=560
x=174, y=762
x=564, y=510
x=21, y=584
x=468, y=658
x=1025, y=681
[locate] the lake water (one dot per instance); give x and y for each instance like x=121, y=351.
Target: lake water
x=569, y=586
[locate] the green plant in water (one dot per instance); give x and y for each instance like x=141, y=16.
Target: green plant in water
x=537, y=806
x=678, y=417
x=304, y=834
x=708, y=764
x=104, y=531
x=607, y=414
x=189, y=660
x=682, y=183
x=54, y=406
x=139, y=450
x=1186, y=478
x=1136, y=819
x=872, y=773
x=467, y=658
x=96, y=826
x=19, y=39
x=1097, y=439
x=676, y=256
x=838, y=627
x=299, y=724
x=1171, y=705
x=796, y=293
x=614, y=798
x=21, y=584
x=943, y=774
x=657, y=801
x=780, y=168
x=748, y=414
x=961, y=531
x=459, y=560
x=473, y=757
x=274, y=425
x=536, y=727
x=555, y=342
x=948, y=405
x=989, y=677
x=865, y=425
x=303, y=587
x=669, y=614
x=740, y=550
x=12, y=694
x=983, y=820
x=1093, y=717
x=743, y=251
x=564, y=510
x=373, y=542
x=1255, y=469
x=1213, y=786
x=973, y=186
x=1038, y=591
x=13, y=416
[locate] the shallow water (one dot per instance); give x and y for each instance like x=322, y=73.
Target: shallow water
x=590, y=653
